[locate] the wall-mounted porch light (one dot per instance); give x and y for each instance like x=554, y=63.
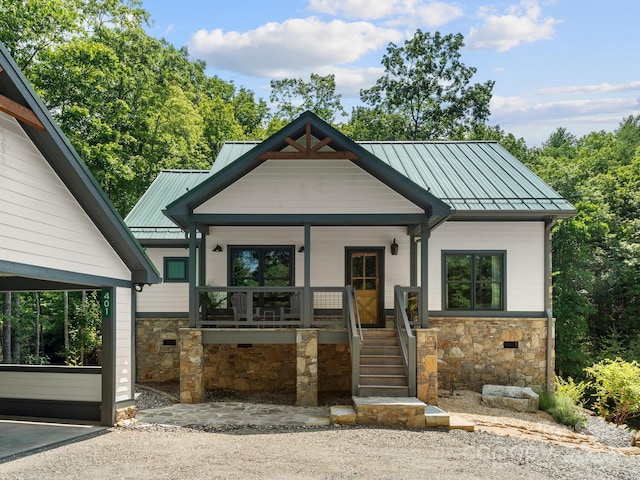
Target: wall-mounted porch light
x=217, y=248
x=394, y=247
x=301, y=249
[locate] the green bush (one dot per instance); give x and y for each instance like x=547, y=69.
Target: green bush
x=546, y=400
x=617, y=389
x=564, y=404
x=571, y=389
x=567, y=412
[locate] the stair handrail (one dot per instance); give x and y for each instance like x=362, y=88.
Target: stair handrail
x=406, y=339
x=355, y=336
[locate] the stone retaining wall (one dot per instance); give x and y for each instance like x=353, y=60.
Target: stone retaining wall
x=472, y=351
x=334, y=368
x=256, y=367
x=158, y=349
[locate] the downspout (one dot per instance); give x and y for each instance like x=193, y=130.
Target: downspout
x=548, y=271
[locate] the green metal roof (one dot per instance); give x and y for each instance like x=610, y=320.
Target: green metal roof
x=146, y=219
x=475, y=178
x=470, y=176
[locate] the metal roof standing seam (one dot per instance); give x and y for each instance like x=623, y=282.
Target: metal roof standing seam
x=469, y=176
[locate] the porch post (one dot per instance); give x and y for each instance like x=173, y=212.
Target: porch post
x=202, y=256
x=424, y=275
x=413, y=257
x=193, y=294
x=307, y=307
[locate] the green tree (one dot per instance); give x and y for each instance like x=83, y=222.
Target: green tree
x=292, y=96
x=426, y=84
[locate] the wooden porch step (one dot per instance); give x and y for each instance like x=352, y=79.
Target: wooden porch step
x=383, y=391
x=383, y=380
x=378, y=332
x=391, y=350
x=382, y=370
x=380, y=360
x=380, y=341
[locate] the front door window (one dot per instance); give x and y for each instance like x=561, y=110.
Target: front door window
x=365, y=276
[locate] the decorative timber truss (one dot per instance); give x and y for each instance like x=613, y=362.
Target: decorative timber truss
x=20, y=113
x=309, y=146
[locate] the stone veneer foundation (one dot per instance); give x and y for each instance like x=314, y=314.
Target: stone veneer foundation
x=470, y=353
x=158, y=349
x=473, y=352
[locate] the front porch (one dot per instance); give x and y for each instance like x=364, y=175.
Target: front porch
x=321, y=350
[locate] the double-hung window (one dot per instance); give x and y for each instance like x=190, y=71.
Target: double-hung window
x=474, y=280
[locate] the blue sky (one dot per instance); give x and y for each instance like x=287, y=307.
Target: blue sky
x=569, y=63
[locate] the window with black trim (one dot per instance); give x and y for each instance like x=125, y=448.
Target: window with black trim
x=474, y=280
x=176, y=269
x=264, y=266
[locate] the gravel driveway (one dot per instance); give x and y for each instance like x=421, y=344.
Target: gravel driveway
x=154, y=452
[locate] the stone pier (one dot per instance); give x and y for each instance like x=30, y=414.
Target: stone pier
x=307, y=367
x=427, y=365
x=191, y=366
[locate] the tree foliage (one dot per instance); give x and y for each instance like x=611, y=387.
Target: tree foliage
x=292, y=96
x=130, y=104
x=596, y=254
x=426, y=84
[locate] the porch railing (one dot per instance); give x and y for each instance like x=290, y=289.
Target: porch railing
x=355, y=337
x=271, y=307
x=406, y=299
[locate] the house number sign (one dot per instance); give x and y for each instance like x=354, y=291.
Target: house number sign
x=107, y=302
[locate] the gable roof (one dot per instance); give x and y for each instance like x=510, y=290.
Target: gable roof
x=17, y=94
x=478, y=179
x=146, y=220
x=332, y=144
x=473, y=177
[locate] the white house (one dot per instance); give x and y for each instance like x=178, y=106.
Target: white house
x=445, y=243
x=58, y=231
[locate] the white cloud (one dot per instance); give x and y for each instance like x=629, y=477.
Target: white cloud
x=519, y=109
x=393, y=12
x=286, y=49
x=535, y=120
x=601, y=88
x=521, y=24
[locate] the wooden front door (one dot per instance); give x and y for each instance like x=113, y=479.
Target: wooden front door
x=365, y=275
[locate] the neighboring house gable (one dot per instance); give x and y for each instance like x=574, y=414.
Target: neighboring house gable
x=44, y=153
x=59, y=231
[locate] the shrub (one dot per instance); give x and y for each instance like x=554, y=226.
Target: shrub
x=617, y=389
x=571, y=389
x=567, y=412
x=563, y=403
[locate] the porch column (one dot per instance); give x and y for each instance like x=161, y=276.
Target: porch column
x=307, y=306
x=424, y=275
x=413, y=261
x=193, y=294
x=202, y=256
x=427, y=365
x=191, y=366
x=307, y=367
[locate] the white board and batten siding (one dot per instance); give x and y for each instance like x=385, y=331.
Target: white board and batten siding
x=124, y=352
x=288, y=187
x=327, y=252
x=523, y=243
x=165, y=297
x=41, y=223
x=36, y=384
